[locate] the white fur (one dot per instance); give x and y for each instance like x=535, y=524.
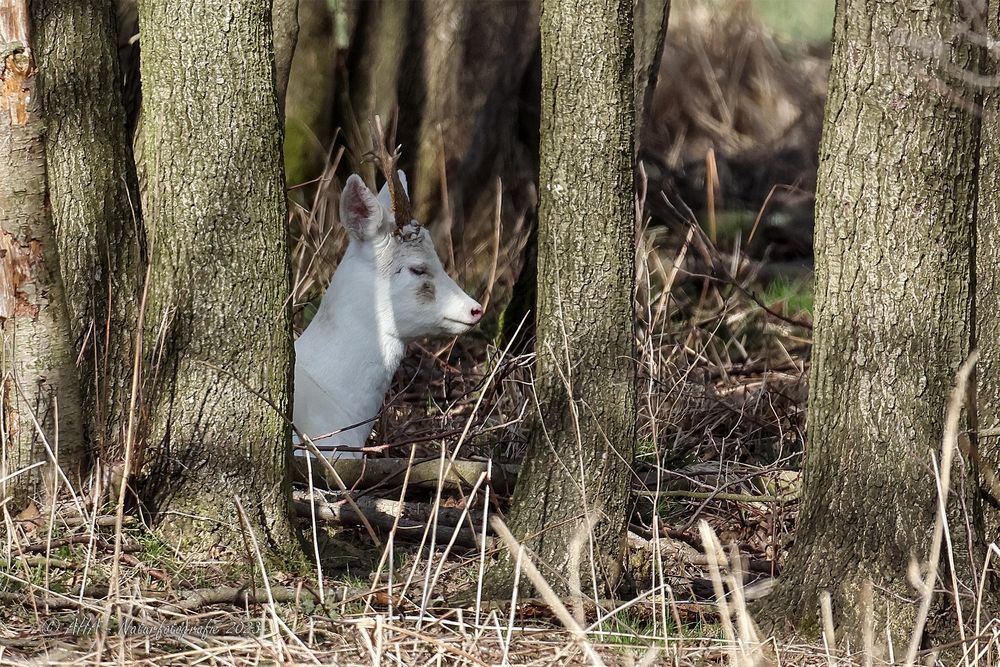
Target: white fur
x=375, y=304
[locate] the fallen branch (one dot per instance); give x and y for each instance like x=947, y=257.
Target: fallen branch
x=54, y=601
x=42, y=561
x=99, y=544
x=243, y=596
x=104, y=521
x=198, y=598
x=368, y=473
x=382, y=513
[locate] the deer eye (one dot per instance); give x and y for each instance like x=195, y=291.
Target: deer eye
x=418, y=270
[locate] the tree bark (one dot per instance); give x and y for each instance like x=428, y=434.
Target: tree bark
x=570, y=503
x=218, y=328
x=94, y=204
x=41, y=419
x=285, y=34
x=475, y=58
x=987, y=285
x=894, y=211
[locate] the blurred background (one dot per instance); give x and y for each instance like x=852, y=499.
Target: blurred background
x=733, y=125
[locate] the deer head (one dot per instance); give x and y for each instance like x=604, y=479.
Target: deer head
x=397, y=264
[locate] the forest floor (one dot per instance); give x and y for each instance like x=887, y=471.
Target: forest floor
x=721, y=426
x=722, y=359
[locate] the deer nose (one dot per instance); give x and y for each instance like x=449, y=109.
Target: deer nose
x=477, y=314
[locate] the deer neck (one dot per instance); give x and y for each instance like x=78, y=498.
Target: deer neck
x=349, y=355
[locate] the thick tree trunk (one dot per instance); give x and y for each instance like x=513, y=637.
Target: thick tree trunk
x=218, y=334
x=93, y=202
x=895, y=204
x=571, y=499
x=39, y=389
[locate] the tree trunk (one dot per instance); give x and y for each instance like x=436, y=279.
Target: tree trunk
x=39, y=390
x=367, y=83
x=475, y=58
x=309, y=107
x=462, y=73
x=894, y=209
x=571, y=499
x=218, y=330
x=651, y=17
x=987, y=285
x=94, y=205
x=285, y=34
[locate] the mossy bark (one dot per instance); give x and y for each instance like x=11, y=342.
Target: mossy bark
x=218, y=333
x=570, y=504
x=94, y=205
x=40, y=416
x=894, y=219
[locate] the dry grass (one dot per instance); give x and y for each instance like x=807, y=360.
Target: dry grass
x=726, y=85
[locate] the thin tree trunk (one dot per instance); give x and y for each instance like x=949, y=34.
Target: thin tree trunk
x=285, y=34
x=39, y=389
x=651, y=17
x=987, y=284
x=379, y=43
x=94, y=204
x=462, y=70
x=570, y=504
x=895, y=204
x=218, y=328
x=310, y=99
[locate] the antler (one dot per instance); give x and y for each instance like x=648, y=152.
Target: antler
x=401, y=208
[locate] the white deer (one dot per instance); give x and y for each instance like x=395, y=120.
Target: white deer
x=390, y=288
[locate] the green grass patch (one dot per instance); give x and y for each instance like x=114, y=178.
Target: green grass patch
x=789, y=296
x=807, y=22
x=630, y=628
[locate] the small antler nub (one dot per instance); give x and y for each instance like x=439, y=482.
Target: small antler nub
x=402, y=210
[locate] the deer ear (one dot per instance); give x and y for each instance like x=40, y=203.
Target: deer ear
x=383, y=194
x=360, y=212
